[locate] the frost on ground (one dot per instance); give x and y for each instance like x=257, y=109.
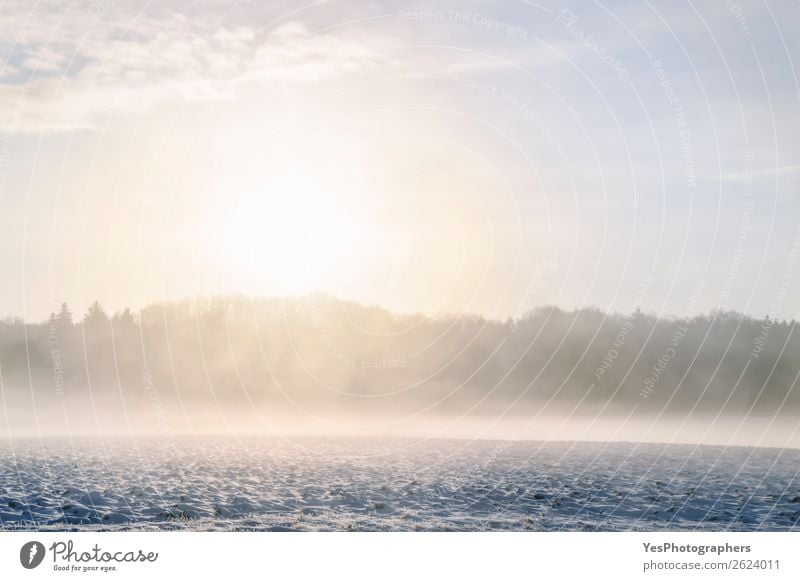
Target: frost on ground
x=391, y=485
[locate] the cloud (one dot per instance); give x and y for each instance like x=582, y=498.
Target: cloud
x=292, y=54
x=44, y=60
x=759, y=173
x=75, y=64
x=8, y=71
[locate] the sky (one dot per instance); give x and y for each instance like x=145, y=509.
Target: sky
x=440, y=157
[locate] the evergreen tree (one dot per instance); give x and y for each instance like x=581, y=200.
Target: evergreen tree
x=64, y=317
x=95, y=315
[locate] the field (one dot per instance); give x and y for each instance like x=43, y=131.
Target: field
x=393, y=485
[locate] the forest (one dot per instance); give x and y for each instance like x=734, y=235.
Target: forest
x=276, y=353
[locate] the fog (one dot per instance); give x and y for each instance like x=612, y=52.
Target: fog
x=319, y=366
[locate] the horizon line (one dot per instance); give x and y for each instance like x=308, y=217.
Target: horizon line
x=714, y=312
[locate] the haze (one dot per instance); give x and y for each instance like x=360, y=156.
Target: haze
x=478, y=219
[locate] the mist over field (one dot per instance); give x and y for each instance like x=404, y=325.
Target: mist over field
x=318, y=365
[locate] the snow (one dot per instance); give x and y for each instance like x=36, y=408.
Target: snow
x=392, y=485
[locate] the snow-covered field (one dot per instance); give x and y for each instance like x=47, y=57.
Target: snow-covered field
x=308, y=484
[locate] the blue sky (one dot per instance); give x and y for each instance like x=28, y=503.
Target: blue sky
x=478, y=156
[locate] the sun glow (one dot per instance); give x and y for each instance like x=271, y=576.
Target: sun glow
x=295, y=235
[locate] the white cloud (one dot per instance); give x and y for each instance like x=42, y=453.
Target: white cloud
x=759, y=173
x=44, y=59
x=8, y=71
x=293, y=55
x=128, y=62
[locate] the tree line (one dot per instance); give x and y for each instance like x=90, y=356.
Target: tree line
x=269, y=352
